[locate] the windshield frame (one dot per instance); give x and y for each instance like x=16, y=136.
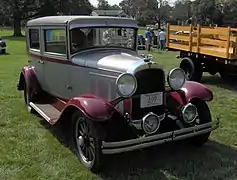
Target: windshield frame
x=103, y=47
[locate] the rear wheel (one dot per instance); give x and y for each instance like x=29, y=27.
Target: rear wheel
x=204, y=116
x=87, y=144
x=3, y=51
x=192, y=68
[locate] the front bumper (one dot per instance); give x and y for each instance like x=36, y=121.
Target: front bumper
x=144, y=142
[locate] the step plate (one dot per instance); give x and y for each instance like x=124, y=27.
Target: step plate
x=47, y=111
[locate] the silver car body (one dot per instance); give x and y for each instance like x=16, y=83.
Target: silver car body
x=91, y=71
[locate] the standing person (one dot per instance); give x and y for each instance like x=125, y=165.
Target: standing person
x=161, y=36
x=152, y=37
x=148, y=36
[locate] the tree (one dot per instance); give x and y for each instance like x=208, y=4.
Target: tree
x=22, y=10
x=182, y=11
x=103, y=5
x=160, y=10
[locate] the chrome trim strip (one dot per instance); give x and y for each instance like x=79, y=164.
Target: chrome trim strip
x=140, y=143
x=102, y=75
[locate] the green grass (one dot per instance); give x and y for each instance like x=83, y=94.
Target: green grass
x=30, y=150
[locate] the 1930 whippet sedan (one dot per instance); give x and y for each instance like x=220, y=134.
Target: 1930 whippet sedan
x=86, y=70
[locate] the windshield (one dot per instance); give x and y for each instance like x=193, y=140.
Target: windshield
x=84, y=38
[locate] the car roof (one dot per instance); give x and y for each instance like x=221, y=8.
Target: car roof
x=63, y=20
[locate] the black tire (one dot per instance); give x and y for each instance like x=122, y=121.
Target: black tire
x=229, y=78
x=86, y=142
x=204, y=115
x=28, y=97
x=3, y=51
x=192, y=68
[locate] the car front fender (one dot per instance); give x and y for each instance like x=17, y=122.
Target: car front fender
x=191, y=90
x=93, y=107
x=197, y=90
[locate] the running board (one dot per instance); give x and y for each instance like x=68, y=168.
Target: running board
x=47, y=111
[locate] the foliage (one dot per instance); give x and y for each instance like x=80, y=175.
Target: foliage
x=204, y=12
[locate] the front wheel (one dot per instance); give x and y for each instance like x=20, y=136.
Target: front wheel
x=28, y=97
x=87, y=145
x=204, y=116
x=192, y=68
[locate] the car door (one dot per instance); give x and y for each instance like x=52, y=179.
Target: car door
x=56, y=64
x=35, y=52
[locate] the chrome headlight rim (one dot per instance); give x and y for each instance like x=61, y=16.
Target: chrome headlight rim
x=183, y=113
x=144, y=121
x=170, y=74
x=117, y=82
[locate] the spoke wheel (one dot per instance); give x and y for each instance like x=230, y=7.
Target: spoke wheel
x=86, y=142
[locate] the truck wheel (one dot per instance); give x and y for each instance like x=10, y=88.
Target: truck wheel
x=192, y=69
x=86, y=143
x=204, y=116
x=227, y=77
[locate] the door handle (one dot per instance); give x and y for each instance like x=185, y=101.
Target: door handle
x=41, y=62
x=69, y=87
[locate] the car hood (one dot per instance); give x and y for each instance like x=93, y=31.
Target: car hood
x=112, y=60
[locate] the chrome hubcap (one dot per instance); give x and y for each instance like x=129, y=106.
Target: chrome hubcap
x=81, y=141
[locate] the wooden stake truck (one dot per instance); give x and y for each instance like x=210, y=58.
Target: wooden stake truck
x=205, y=49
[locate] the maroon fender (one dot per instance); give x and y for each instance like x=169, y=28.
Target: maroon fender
x=194, y=89
x=28, y=75
x=92, y=107
x=191, y=90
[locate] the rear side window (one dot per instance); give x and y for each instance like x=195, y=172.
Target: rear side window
x=55, y=41
x=34, y=39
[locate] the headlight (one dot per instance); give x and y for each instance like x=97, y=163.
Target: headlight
x=176, y=78
x=150, y=123
x=189, y=113
x=126, y=85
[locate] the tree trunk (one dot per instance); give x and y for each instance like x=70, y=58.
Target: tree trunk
x=17, y=25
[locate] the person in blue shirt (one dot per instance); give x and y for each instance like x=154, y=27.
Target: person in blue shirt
x=148, y=36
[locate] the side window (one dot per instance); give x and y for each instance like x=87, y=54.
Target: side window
x=34, y=41
x=55, y=41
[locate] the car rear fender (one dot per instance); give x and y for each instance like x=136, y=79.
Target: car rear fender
x=28, y=76
x=93, y=107
x=190, y=91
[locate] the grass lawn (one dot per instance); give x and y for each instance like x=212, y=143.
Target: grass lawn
x=29, y=149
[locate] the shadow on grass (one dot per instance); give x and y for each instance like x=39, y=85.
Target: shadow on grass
x=168, y=161
x=219, y=82
x=5, y=54
x=13, y=38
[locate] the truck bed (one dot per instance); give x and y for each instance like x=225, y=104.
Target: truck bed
x=219, y=42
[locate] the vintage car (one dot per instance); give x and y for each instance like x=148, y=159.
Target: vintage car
x=86, y=71
x=3, y=46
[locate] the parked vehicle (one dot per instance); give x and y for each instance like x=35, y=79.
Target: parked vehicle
x=85, y=70
x=206, y=49
x=3, y=46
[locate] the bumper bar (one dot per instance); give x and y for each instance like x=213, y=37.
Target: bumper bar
x=144, y=142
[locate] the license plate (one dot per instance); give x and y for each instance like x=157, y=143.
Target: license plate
x=151, y=99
